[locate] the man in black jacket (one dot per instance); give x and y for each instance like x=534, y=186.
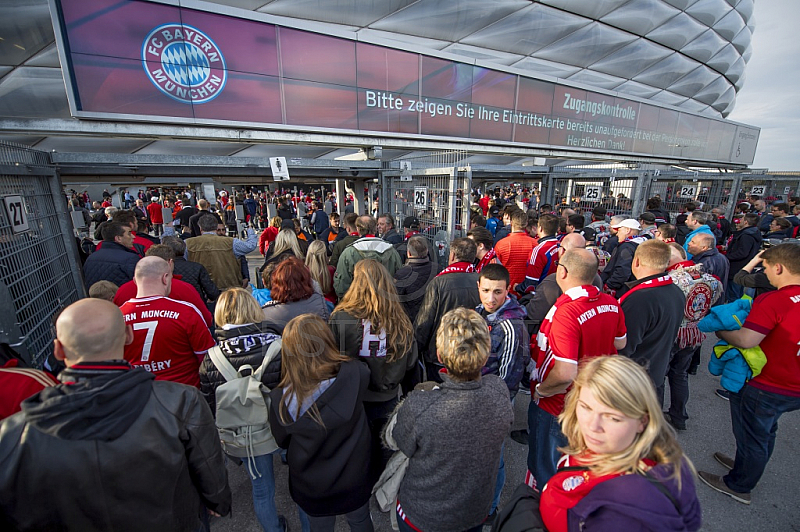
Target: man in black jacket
x=653, y=308
x=116, y=260
x=412, y=279
x=744, y=246
x=456, y=286
x=115, y=432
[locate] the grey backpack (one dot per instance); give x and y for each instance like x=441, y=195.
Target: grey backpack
x=243, y=408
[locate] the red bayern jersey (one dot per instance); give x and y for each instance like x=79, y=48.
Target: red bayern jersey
x=181, y=290
x=170, y=338
x=583, y=322
x=777, y=315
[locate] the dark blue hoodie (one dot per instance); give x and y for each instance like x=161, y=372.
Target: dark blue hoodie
x=510, y=351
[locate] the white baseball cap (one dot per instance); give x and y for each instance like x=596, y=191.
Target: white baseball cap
x=629, y=223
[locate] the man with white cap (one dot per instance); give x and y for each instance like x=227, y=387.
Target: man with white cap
x=618, y=270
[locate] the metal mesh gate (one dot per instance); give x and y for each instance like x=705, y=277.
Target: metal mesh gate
x=585, y=190
x=769, y=188
x=38, y=266
x=675, y=190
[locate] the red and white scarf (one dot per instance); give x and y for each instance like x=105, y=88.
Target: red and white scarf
x=458, y=267
x=487, y=259
x=664, y=280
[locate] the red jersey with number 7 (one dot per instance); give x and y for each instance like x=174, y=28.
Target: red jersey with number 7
x=170, y=338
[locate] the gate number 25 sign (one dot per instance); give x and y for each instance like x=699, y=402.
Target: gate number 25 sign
x=15, y=212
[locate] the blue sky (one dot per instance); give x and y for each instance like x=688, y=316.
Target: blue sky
x=770, y=97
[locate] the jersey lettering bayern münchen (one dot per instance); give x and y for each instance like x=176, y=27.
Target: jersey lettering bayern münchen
x=170, y=338
x=583, y=322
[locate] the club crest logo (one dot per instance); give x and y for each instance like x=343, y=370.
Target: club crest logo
x=184, y=63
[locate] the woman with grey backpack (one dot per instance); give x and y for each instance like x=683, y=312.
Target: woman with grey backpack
x=235, y=378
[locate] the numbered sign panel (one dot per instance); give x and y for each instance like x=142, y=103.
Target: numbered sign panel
x=420, y=198
x=15, y=211
x=687, y=191
x=758, y=190
x=592, y=193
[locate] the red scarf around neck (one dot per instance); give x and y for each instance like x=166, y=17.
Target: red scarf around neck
x=652, y=283
x=458, y=267
x=489, y=257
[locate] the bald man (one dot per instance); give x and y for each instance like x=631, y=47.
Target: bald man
x=584, y=322
x=109, y=449
x=170, y=337
x=702, y=249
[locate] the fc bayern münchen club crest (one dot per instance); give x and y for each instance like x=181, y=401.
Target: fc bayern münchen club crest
x=184, y=63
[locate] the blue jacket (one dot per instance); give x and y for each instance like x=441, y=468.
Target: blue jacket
x=492, y=224
x=731, y=365
x=510, y=350
x=702, y=229
x=716, y=264
x=728, y=317
x=112, y=262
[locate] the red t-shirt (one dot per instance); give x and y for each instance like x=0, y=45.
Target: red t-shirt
x=181, y=290
x=777, y=314
x=170, y=338
x=154, y=210
x=583, y=322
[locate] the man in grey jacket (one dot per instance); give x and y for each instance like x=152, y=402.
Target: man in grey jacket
x=368, y=246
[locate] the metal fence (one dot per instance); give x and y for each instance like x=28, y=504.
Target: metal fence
x=38, y=266
x=435, y=188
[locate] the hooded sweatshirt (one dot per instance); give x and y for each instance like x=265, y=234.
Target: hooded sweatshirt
x=510, y=343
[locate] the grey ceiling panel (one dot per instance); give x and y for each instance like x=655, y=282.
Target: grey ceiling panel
x=597, y=79
x=680, y=4
x=32, y=92
x=709, y=11
x=25, y=140
x=46, y=58
x=730, y=25
x=26, y=29
x=5, y=70
x=631, y=58
x=677, y=31
x=694, y=82
x=587, y=45
x=251, y=5
x=637, y=89
x=666, y=72
x=549, y=68
x=705, y=46
x=723, y=60
x=640, y=16
x=404, y=40
x=528, y=30
x=450, y=20
x=483, y=54
x=694, y=106
x=184, y=147
x=713, y=91
x=345, y=12
x=593, y=10
x=282, y=150
x=669, y=98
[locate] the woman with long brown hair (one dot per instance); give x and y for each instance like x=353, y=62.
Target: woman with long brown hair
x=321, y=271
x=317, y=413
x=370, y=325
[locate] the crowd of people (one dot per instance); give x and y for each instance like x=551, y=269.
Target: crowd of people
x=367, y=366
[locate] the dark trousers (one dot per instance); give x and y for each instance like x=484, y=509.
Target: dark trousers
x=359, y=521
x=544, y=438
x=377, y=415
x=695, y=362
x=678, y=377
x=754, y=418
x=733, y=291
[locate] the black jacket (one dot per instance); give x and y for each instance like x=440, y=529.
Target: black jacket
x=112, y=262
x=662, y=216
x=392, y=236
x=716, y=264
x=245, y=344
x=618, y=270
x=329, y=465
x=113, y=450
x=444, y=293
x=681, y=232
x=186, y=214
x=743, y=247
x=384, y=377
x=196, y=275
x=652, y=317
x=411, y=281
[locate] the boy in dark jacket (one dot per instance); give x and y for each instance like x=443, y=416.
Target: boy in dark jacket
x=510, y=349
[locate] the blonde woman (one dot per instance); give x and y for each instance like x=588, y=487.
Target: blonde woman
x=321, y=271
x=370, y=325
x=238, y=317
x=317, y=414
x=623, y=468
x=285, y=245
